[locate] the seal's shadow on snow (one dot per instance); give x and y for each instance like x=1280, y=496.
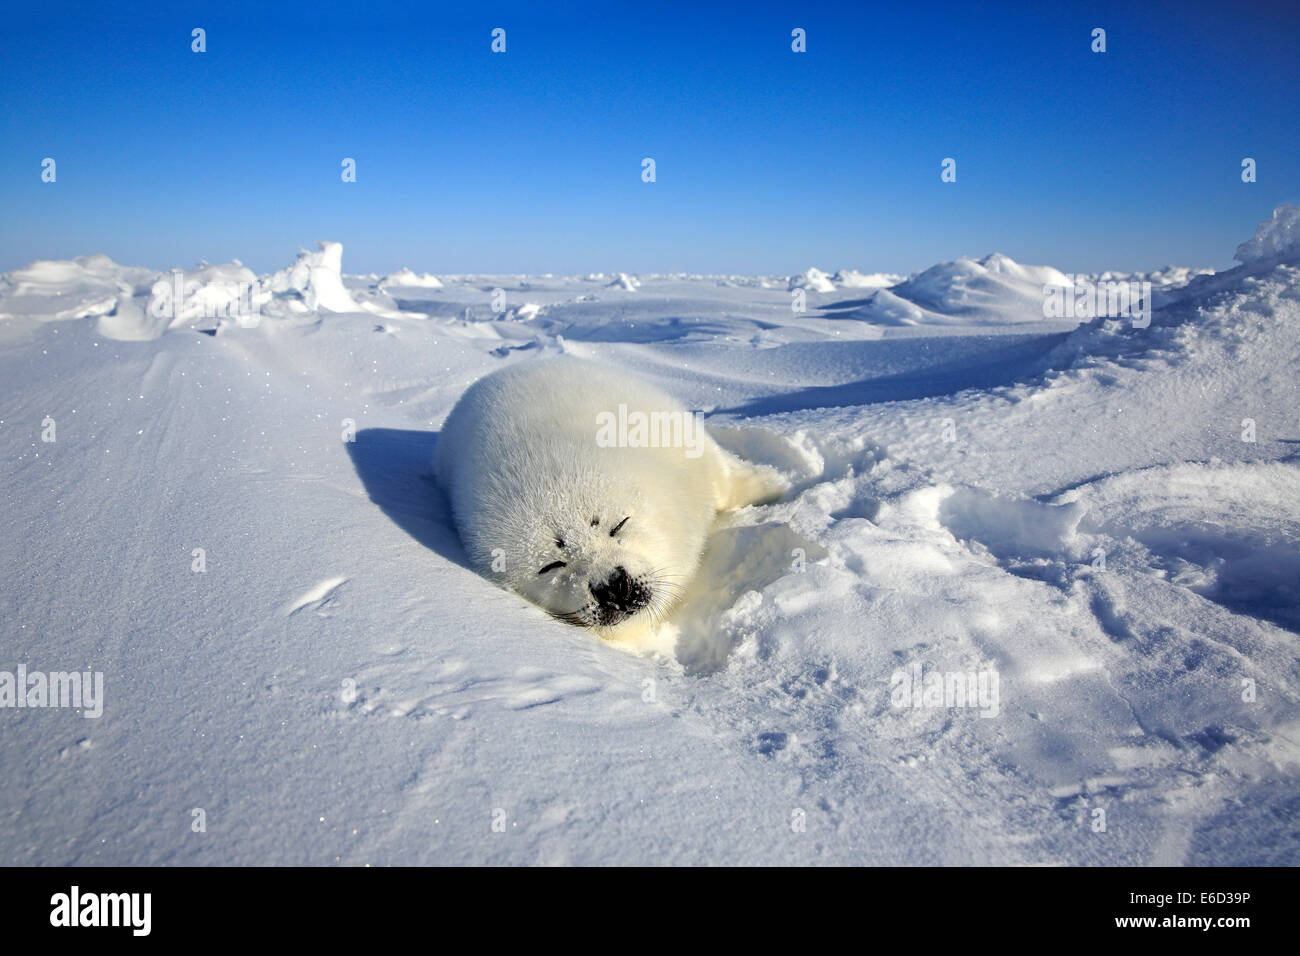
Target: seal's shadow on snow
x=396, y=467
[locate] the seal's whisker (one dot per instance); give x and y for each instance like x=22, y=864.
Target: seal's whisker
x=571, y=617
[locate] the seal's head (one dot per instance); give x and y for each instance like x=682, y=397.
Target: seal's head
x=600, y=554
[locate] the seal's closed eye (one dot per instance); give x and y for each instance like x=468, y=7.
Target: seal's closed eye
x=617, y=526
x=552, y=566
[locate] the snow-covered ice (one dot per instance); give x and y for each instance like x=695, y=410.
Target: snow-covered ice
x=814, y=280
x=405, y=278
x=224, y=505
x=852, y=279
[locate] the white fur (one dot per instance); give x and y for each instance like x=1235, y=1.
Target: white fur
x=520, y=462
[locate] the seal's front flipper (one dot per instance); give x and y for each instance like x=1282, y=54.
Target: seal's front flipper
x=740, y=483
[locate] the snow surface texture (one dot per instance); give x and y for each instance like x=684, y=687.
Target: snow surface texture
x=1106, y=517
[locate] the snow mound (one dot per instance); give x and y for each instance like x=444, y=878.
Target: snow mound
x=814, y=280
x=995, y=290
x=217, y=291
x=199, y=297
x=852, y=279
x=886, y=308
x=625, y=282
x=1275, y=239
x=311, y=284
x=62, y=289
x=406, y=279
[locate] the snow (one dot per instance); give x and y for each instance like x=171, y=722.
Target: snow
x=1276, y=238
x=851, y=279
x=625, y=282
x=313, y=282
x=405, y=278
x=994, y=290
x=54, y=291
x=1099, y=521
x=814, y=280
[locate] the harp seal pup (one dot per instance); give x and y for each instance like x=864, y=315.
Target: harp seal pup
x=588, y=491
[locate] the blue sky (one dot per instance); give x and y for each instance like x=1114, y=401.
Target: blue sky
x=767, y=161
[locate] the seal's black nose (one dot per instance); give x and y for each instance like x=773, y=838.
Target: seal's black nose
x=619, y=595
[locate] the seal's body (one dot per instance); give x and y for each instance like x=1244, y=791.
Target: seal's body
x=587, y=491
